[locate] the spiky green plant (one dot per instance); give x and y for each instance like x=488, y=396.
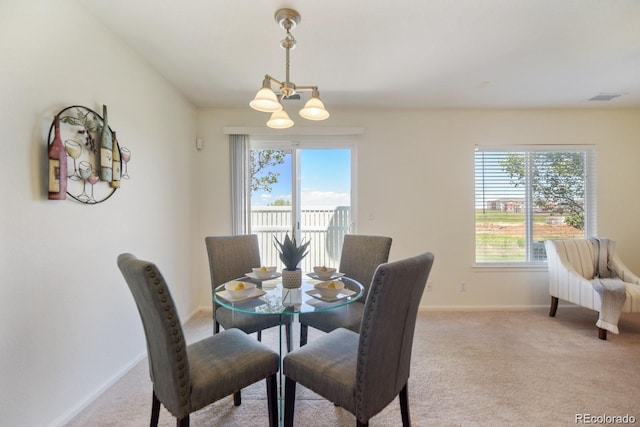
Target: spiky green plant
x=290, y=253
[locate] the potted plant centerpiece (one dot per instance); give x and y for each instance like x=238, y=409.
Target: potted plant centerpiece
x=291, y=254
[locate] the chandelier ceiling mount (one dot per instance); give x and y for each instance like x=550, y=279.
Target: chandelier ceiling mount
x=266, y=100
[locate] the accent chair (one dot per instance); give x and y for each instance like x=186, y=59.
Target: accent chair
x=589, y=273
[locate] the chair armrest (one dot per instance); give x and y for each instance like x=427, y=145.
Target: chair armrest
x=623, y=272
x=565, y=282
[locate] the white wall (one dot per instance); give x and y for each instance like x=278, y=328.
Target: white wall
x=416, y=176
x=68, y=324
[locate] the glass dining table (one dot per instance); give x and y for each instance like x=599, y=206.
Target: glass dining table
x=270, y=297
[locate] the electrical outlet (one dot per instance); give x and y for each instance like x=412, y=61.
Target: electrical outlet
x=429, y=286
x=463, y=287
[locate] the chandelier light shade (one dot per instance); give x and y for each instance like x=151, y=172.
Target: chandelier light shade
x=314, y=108
x=280, y=120
x=267, y=101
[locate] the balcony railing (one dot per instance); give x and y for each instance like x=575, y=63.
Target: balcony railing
x=323, y=227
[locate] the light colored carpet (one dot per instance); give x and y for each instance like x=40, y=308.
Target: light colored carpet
x=468, y=369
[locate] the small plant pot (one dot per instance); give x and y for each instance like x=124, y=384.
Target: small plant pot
x=291, y=279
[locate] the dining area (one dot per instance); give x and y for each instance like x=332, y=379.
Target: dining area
x=358, y=356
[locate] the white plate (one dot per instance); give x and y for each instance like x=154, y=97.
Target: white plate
x=344, y=293
x=252, y=275
x=257, y=292
x=333, y=276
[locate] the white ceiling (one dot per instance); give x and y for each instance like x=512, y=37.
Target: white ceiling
x=399, y=54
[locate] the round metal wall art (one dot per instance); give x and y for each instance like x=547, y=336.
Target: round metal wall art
x=79, y=129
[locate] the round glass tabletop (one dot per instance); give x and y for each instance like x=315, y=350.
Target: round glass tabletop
x=270, y=297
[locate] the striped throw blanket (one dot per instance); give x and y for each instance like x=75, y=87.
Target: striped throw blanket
x=612, y=291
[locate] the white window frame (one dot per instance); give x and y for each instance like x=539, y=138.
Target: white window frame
x=590, y=206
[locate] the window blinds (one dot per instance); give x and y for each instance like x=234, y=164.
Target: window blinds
x=525, y=195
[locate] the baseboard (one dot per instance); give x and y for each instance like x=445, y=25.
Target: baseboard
x=207, y=309
x=538, y=307
x=70, y=414
x=483, y=307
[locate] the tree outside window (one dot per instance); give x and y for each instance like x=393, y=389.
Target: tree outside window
x=261, y=165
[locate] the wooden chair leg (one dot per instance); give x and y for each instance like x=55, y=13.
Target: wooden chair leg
x=404, y=406
x=289, y=401
x=304, y=331
x=183, y=422
x=554, y=307
x=155, y=411
x=602, y=334
x=272, y=400
x=237, y=398
x=361, y=424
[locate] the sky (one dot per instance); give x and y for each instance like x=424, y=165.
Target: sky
x=325, y=179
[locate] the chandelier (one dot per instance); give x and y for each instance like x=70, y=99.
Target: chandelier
x=266, y=100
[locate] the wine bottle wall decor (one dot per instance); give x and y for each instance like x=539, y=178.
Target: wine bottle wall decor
x=106, y=149
x=57, y=165
x=95, y=163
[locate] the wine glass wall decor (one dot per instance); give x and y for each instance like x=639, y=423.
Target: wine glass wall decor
x=91, y=147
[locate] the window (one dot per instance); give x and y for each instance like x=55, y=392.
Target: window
x=525, y=195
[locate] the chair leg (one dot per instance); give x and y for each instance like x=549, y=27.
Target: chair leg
x=404, y=406
x=272, y=400
x=216, y=327
x=155, y=411
x=183, y=422
x=361, y=424
x=259, y=335
x=237, y=398
x=289, y=401
x=287, y=329
x=304, y=331
x=602, y=334
x=554, y=307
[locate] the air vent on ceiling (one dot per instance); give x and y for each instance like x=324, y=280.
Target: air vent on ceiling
x=605, y=96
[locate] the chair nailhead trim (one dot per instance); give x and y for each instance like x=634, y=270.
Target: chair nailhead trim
x=170, y=317
x=364, y=333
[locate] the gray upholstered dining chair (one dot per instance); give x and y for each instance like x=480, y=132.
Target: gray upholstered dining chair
x=189, y=377
x=360, y=257
x=364, y=372
x=231, y=257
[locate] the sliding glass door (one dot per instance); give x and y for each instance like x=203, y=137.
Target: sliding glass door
x=305, y=191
